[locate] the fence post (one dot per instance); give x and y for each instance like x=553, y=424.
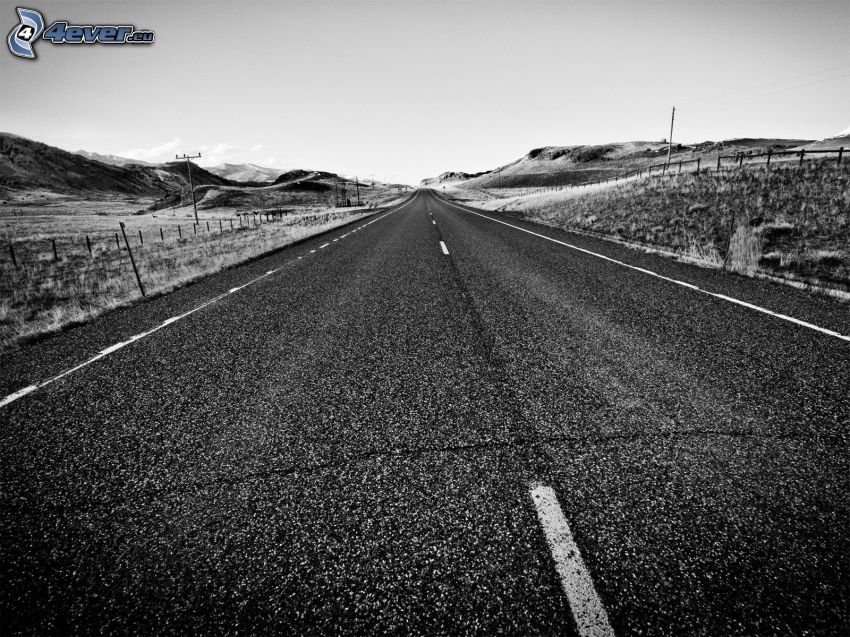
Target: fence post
x=802, y=153
x=680, y=165
x=195, y=227
x=208, y=226
x=741, y=160
x=220, y=227
x=88, y=244
x=55, y=252
x=769, y=151
x=141, y=238
x=132, y=261
x=698, y=161
x=718, y=161
x=161, y=235
x=179, y=233
x=729, y=242
x=840, y=153
x=12, y=252
x=649, y=171
x=231, y=224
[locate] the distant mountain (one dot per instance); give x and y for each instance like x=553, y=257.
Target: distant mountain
x=27, y=164
x=246, y=172
x=112, y=160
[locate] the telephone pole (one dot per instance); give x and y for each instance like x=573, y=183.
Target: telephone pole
x=191, y=187
x=357, y=181
x=670, y=139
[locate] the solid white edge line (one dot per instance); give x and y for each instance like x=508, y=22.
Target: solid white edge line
x=18, y=394
x=113, y=348
x=730, y=299
x=587, y=609
x=443, y=247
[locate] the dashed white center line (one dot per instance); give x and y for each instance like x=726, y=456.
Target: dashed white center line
x=434, y=222
x=312, y=251
x=588, y=612
x=324, y=246
x=444, y=248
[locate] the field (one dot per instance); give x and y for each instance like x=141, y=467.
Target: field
x=789, y=221
x=89, y=272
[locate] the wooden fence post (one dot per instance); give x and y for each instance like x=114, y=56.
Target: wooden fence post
x=132, y=261
x=161, y=235
x=88, y=244
x=141, y=238
x=769, y=152
x=840, y=153
x=741, y=160
x=802, y=154
x=55, y=252
x=208, y=226
x=698, y=161
x=718, y=161
x=179, y=233
x=729, y=242
x=12, y=252
x=220, y=227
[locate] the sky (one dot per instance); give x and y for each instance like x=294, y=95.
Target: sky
x=402, y=90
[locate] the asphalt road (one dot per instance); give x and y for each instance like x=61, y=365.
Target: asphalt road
x=349, y=444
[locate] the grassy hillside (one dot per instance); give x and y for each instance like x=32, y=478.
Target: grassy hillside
x=27, y=165
x=791, y=221
x=569, y=165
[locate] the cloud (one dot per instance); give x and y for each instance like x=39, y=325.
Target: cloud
x=220, y=153
x=157, y=154
x=846, y=131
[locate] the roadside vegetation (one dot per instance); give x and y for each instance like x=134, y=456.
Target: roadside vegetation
x=43, y=293
x=789, y=221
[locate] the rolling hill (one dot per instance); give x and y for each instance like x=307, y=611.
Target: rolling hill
x=565, y=165
x=26, y=165
x=246, y=172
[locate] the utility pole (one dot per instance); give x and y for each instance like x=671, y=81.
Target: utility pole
x=670, y=139
x=357, y=181
x=191, y=187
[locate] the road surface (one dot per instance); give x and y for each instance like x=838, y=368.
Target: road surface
x=434, y=421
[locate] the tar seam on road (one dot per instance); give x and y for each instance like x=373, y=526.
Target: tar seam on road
x=588, y=612
x=443, y=247
x=723, y=297
x=114, y=348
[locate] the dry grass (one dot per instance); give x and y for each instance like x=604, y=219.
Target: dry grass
x=43, y=294
x=792, y=221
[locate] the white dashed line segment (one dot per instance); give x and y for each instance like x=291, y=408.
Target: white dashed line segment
x=588, y=611
x=685, y=284
x=443, y=247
